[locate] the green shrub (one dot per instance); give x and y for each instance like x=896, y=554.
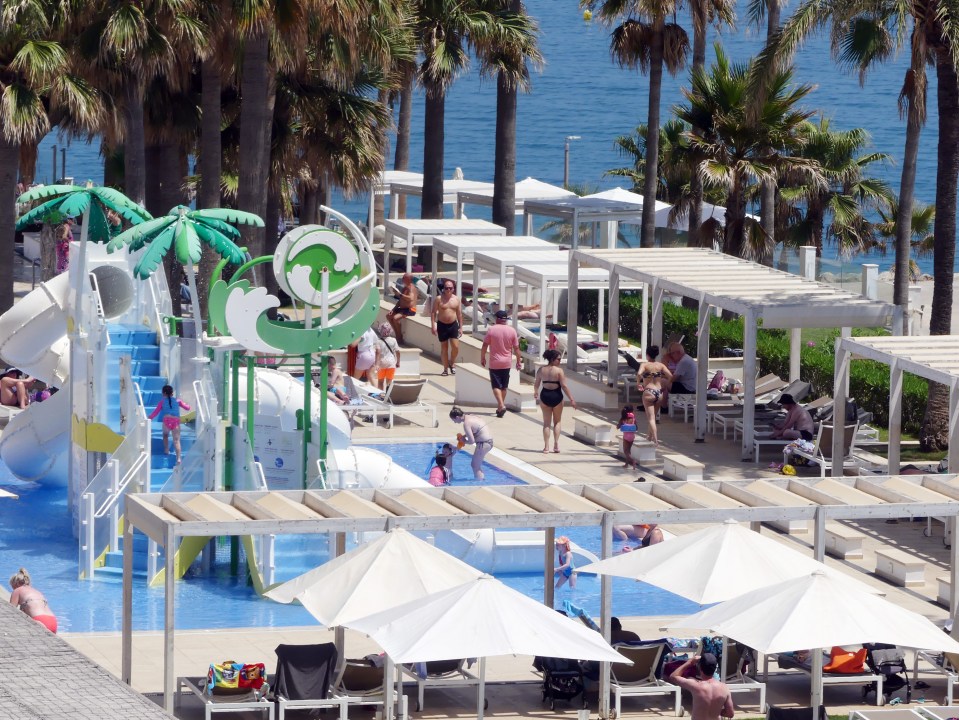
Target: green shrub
x=868, y=380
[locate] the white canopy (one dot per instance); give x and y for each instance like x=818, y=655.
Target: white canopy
x=816, y=611
x=482, y=618
x=389, y=571
x=716, y=563
x=528, y=189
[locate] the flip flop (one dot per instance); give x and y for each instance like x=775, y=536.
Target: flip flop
x=445, y=373
x=500, y=413
x=555, y=450
x=452, y=371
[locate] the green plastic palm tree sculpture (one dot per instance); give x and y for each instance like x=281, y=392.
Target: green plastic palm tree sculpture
x=93, y=204
x=186, y=231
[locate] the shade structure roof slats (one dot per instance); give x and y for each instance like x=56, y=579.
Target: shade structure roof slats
x=934, y=358
x=778, y=299
x=523, y=506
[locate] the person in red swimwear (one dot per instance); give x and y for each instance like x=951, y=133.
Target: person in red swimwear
x=31, y=601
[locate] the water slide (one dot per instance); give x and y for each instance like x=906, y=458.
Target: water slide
x=489, y=550
x=35, y=442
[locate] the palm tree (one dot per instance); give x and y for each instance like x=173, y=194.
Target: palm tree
x=921, y=228
x=644, y=39
x=445, y=30
x=735, y=150
x=510, y=61
x=35, y=77
x=187, y=232
x=849, y=190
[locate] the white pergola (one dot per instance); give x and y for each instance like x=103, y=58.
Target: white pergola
x=420, y=233
x=763, y=296
x=168, y=518
x=555, y=276
x=450, y=190
x=605, y=209
x=933, y=357
x=383, y=186
x=461, y=248
x=501, y=263
x=528, y=189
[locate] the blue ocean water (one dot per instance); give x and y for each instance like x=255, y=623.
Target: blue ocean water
x=580, y=91
x=37, y=535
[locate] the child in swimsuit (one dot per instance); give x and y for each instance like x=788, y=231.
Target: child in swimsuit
x=31, y=601
x=169, y=411
x=627, y=425
x=566, y=569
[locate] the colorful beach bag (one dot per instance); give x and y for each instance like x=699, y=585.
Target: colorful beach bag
x=232, y=678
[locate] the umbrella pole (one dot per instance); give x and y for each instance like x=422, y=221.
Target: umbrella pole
x=723, y=669
x=481, y=689
x=816, y=694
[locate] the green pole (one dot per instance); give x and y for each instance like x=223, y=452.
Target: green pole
x=234, y=543
x=308, y=416
x=324, y=382
x=250, y=391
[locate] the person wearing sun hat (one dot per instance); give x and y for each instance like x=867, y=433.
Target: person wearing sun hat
x=502, y=342
x=566, y=569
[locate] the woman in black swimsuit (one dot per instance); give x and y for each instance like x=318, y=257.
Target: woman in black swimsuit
x=549, y=388
x=649, y=380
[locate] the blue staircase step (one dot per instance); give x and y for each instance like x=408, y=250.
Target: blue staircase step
x=147, y=368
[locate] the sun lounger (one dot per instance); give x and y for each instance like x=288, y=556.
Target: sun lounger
x=736, y=678
x=304, y=676
x=243, y=702
x=440, y=673
x=361, y=683
x=787, y=661
x=776, y=712
x=402, y=397
x=821, y=453
x=945, y=663
x=639, y=679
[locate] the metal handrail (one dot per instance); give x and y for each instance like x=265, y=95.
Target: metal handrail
x=111, y=500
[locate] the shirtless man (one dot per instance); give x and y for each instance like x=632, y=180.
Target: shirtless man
x=404, y=308
x=447, y=319
x=13, y=389
x=711, y=698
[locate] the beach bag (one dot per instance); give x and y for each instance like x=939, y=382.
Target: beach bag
x=718, y=382
x=232, y=678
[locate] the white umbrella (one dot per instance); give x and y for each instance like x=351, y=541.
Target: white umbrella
x=714, y=564
x=389, y=571
x=483, y=618
x=816, y=611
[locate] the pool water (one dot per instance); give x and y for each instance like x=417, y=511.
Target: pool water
x=417, y=458
x=36, y=534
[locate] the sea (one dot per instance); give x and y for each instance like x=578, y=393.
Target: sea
x=580, y=91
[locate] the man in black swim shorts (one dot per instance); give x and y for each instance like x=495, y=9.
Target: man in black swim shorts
x=447, y=325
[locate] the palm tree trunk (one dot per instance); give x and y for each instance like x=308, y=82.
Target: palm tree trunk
x=210, y=166
x=735, y=218
x=28, y=163
x=700, y=18
x=767, y=196
x=907, y=182
x=934, y=434
x=433, y=142
x=379, y=200
x=504, y=173
x=153, y=199
x=401, y=160
x=9, y=160
x=651, y=179
x=112, y=168
x=134, y=144
x=254, y=117
x=272, y=222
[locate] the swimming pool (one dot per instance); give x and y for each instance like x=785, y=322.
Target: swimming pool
x=36, y=534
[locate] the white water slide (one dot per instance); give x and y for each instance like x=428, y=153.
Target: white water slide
x=489, y=550
x=35, y=442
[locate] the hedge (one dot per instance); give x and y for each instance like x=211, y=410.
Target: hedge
x=868, y=381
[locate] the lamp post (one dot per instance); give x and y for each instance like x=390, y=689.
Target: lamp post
x=569, y=138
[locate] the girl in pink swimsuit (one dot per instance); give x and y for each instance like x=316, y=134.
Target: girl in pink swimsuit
x=169, y=411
